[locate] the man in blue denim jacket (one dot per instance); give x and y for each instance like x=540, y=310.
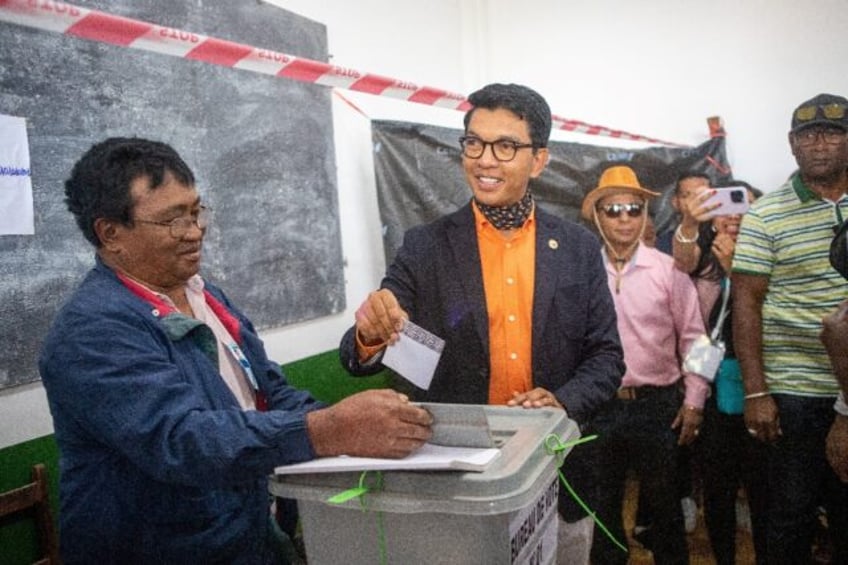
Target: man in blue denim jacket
x=168, y=415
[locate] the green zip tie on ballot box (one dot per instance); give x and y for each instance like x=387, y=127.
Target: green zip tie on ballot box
x=555, y=446
x=359, y=492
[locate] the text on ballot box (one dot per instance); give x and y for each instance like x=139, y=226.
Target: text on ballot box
x=503, y=515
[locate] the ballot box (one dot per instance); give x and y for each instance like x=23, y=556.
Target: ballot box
x=503, y=515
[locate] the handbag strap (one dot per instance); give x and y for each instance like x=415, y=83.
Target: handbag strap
x=725, y=298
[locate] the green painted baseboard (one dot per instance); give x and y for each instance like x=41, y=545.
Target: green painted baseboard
x=324, y=377
x=321, y=374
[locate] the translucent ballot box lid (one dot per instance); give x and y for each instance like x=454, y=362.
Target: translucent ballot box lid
x=522, y=469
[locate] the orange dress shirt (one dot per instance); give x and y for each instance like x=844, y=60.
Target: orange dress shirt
x=508, y=276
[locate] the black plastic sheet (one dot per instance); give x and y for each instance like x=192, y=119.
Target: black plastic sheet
x=419, y=175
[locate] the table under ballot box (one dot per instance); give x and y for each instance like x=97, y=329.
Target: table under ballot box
x=452, y=504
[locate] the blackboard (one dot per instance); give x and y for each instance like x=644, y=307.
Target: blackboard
x=261, y=148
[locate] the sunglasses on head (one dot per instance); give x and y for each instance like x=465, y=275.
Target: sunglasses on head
x=633, y=209
x=834, y=111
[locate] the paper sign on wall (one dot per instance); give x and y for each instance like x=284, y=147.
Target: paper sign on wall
x=16, y=216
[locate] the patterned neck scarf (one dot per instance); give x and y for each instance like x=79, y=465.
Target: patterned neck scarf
x=508, y=217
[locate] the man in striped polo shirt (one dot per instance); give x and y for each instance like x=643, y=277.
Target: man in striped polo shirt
x=783, y=286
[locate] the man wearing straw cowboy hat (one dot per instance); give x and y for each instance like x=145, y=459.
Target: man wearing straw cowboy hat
x=658, y=320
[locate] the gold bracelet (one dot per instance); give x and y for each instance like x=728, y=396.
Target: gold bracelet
x=757, y=395
x=678, y=235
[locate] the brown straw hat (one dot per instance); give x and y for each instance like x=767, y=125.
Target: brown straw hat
x=614, y=180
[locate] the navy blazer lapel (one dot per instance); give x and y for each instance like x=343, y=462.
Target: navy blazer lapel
x=462, y=236
x=550, y=262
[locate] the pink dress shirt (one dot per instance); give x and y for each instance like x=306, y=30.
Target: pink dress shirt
x=658, y=320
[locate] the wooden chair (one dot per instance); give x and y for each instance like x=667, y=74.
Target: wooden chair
x=33, y=497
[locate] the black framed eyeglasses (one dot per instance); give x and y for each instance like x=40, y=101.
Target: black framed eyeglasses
x=178, y=227
x=632, y=209
x=831, y=136
x=503, y=149
x=833, y=111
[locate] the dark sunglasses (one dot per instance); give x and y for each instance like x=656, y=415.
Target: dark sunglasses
x=810, y=136
x=634, y=209
x=834, y=111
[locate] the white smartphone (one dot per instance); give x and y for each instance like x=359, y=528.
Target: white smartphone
x=733, y=200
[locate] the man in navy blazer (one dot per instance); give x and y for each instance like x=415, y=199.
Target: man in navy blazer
x=517, y=294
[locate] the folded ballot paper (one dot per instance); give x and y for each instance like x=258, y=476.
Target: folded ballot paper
x=461, y=442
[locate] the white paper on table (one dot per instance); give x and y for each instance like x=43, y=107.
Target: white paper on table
x=415, y=355
x=16, y=214
x=428, y=458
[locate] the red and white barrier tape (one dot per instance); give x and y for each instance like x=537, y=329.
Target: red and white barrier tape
x=117, y=30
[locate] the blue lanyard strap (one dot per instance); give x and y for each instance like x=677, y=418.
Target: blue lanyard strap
x=239, y=356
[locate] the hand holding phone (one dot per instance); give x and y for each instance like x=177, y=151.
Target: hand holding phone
x=729, y=201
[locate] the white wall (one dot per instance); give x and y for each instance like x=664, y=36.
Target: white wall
x=661, y=67
x=653, y=67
